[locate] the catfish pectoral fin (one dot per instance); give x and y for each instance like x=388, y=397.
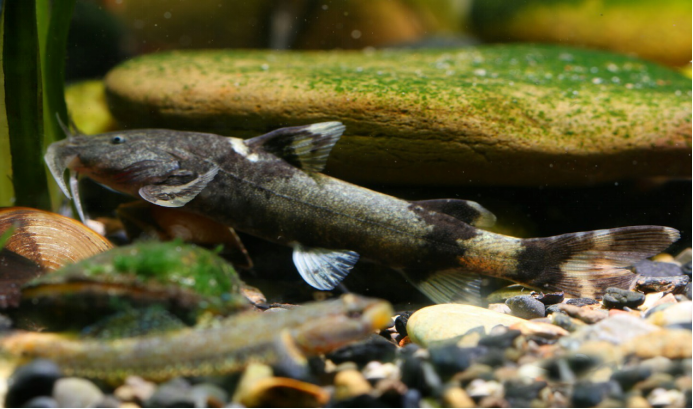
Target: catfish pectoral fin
x=449, y=285
x=322, y=268
x=177, y=195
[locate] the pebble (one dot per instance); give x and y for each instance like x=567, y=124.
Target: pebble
x=207, y=395
x=445, y=321
x=479, y=388
x=684, y=256
x=521, y=392
x=627, y=378
x=619, y=298
x=450, y=359
x=456, y=397
x=589, y=394
x=41, y=402
x=551, y=298
x=679, y=314
x=676, y=284
x=525, y=306
x=673, y=344
x=686, y=268
x=174, y=393
x=31, y=380
x=401, y=322
x=375, y=348
x=649, y=268
x=411, y=399
x=135, y=389
x=616, y=329
x=586, y=315
x=375, y=371
x=76, y=393
x=661, y=398
x=350, y=383
x=581, y=302
x=499, y=308
x=540, y=330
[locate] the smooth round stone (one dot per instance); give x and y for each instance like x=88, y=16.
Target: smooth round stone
x=525, y=306
x=499, y=114
x=445, y=321
x=605, y=24
x=41, y=402
x=656, y=269
x=76, y=393
x=676, y=314
x=619, y=298
x=31, y=380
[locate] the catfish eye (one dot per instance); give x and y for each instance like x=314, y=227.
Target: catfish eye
x=118, y=139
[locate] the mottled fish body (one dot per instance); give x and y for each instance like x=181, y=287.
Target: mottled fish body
x=286, y=337
x=271, y=187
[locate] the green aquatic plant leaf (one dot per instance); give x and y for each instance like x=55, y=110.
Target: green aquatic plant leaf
x=34, y=36
x=23, y=103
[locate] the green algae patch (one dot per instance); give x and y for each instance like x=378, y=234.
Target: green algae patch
x=180, y=278
x=515, y=114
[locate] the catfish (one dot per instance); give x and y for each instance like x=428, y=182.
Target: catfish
x=271, y=186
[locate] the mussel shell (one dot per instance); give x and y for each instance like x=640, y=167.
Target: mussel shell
x=49, y=239
x=183, y=279
x=40, y=242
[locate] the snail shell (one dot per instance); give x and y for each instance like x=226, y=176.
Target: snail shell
x=49, y=239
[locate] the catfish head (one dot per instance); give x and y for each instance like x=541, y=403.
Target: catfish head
x=144, y=163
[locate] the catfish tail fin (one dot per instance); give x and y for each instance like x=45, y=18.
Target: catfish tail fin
x=587, y=263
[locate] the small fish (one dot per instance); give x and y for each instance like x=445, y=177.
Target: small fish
x=284, y=338
x=270, y=186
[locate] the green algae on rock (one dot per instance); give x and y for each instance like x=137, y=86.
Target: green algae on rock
x=514, y=115
x=184, y=279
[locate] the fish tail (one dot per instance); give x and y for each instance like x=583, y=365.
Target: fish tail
x=585, y=264
x=581, y=264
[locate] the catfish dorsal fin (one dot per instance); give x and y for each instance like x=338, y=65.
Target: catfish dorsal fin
x=465, y=210
x=306, y=147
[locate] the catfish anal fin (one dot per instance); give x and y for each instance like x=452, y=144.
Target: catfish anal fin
x=445, y=286
x=465, y=210
x=322, y=268
x=306, y=147
x=177, y=195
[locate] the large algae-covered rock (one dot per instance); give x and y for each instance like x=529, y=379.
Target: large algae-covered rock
x=522, y=115
x=655, y=30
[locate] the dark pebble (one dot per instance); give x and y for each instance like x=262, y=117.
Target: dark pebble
x=589, y=394
x=502, y=341
x=420, y=374
x=525, y=306
x=619, y=298
x=627, y=378
x=520, y=394
x=552, y=298
x=581, y=302
x=31, y=380
x=108, y=401
x=172, y=394
x=450, y=359
x=686, y=269
x=360, y=401
x=40, y=402
x=401, y=322
x=553, y=309
x=375, y=348
x=564, y=321
x=411, y=399
x=649, y=268
x=676, y=284
x=566, y=368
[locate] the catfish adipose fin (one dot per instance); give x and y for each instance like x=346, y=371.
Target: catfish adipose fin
x=464, y=210
x=306, y=147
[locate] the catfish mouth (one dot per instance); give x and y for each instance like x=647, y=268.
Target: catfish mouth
x=59, y=158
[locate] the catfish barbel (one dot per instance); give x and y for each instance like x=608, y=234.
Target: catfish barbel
x=270, y=186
